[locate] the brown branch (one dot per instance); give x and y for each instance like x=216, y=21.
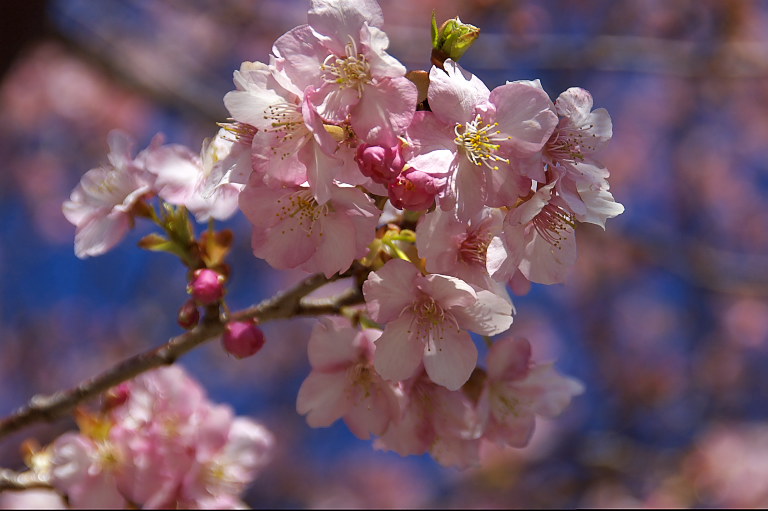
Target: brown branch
x=283, y=305
x=10, y=480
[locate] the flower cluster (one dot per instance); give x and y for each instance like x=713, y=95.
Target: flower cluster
x=159, y=443
x=433, y=190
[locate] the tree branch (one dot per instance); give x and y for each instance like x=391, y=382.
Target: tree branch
x=10, y=480
x=283, y=305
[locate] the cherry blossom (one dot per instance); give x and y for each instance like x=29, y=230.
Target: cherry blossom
x=538, y=239
x=101, y=204
x=442, y=422
x=291, y=229
x=339, y=60
x=343, y=382
x=516, y=391
x=479, y=131
x=459, y=248
x=426, y=321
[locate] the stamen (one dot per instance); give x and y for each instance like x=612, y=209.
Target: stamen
x=478, y=142
x=553, y=222
x=352, y=70
x=474, y=247
x=303, y=207
x=287, y=124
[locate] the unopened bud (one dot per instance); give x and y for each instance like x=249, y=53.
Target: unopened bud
x=414, y=189
x=380, y=163
x=117, y=396
x=452, y=39
x=188, y=316
x=207, y=286
x=242, y=338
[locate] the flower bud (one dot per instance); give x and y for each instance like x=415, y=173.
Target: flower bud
x=242, y=338
x=414, y=189
x=188, y=316
x=207, y=286
x=453, y=38
x=380, y=163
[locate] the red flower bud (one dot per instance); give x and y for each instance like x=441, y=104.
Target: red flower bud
x=242, y=338
x=207, y=286
x=380, y=163
x=188, y=315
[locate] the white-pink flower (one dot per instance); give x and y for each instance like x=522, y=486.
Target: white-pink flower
x=291, y=229
x=442, y=422
x=458, y=248
x=100, y=205
x=85, y=470
x=180, y=179
x=427, y=318
x=343, y=382
x=475, y=132
x=538, y=239
x=516, y=391
x=339, y=61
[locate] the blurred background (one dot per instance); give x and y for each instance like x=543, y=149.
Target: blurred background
x=665, y=317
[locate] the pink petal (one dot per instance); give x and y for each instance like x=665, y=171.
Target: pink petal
x=390, y=289
x=509, y=359
x=340, y=19
x=322, y=398
x=398, y=352
x=489, y=315
x=332, y=345
x=454, y=93
x=384, y=111
x=449, y=357
x=448, y=291
x=524, y=113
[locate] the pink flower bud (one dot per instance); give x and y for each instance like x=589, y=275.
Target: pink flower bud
x=207, y=286
x=242, y=338
x=382, y=164
x=414, y=189
x=188, y=315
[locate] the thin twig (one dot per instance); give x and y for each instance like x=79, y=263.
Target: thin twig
x=283, y=305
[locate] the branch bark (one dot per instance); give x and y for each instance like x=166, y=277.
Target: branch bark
x=18, y=481
x=286, y=304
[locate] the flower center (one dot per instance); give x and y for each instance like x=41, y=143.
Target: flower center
x=429, y=322
x=571, y=143
x=351, y=70
x=552, y=224
x=478, y=140
x=303, y=209
x=286, y=124
x=474, y=247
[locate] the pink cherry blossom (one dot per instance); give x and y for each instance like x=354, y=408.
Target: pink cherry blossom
x=339, y=59
x=292, y=230
x=479, y=131
x=180, y=179
x=458, y=248
x=85, y=469
x=426, y=318
x=101, y=204
x=570, y=152
x=161, y=445
x=516, y=391
x=538, y=239
x=343, y=382
x=435, y=420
